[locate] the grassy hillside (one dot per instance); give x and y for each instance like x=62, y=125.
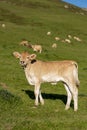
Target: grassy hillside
x=32, y=19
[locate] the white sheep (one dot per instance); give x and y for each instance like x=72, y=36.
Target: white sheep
x=66, y=6
x=54, y=45
x=77, y=39
x=3, y=25
x=67, y=40
x=57, y=38
x=69, y=36
x=48, y=33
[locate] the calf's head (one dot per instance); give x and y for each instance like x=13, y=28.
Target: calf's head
x=25, y=58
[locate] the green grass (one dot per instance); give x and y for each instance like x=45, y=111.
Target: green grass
x=32, y=19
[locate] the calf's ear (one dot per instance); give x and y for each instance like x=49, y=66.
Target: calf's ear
x=17, y=54
x=32, y=57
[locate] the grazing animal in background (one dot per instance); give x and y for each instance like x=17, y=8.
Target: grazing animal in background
x=54, y=45
x=24, y=42
x=77, y=39
x=69, y=36
x=3, y=25
x=48, y=33
x=67, y=40
x=57, y=38
x=37, y=48
x=38, y=72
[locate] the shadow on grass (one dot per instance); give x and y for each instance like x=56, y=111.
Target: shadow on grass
x=61, y=97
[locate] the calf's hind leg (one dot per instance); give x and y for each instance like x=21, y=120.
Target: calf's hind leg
x=72, y=92
x=75, y=98
x=36, y=93
x=69, y=97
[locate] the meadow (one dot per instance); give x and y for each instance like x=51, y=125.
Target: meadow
x=32, y=19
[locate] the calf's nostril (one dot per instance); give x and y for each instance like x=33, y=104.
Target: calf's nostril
x=22, y=62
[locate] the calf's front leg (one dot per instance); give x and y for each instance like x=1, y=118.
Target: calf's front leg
x=38, y=95
x=36, y=92
x=69, y=97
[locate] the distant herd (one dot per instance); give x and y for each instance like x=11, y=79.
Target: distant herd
x=38, y=48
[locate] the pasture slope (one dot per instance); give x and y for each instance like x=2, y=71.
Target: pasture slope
x=32, y=19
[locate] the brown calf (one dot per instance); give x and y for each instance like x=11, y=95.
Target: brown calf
x=38, y=72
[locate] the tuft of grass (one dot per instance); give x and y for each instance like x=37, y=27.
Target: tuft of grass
x=6, y=96
x=8, y=99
